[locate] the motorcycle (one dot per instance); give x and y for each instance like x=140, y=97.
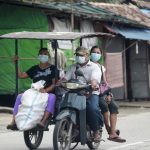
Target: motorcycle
x=70, y=127
x=73, y=110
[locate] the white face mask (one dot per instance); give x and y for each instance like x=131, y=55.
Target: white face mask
x=43, y=58
x=95, y=57
x=80, y=59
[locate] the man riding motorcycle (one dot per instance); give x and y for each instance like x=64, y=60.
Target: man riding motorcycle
x=91, y=75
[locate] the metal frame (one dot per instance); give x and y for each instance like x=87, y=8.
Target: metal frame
x=53, y=36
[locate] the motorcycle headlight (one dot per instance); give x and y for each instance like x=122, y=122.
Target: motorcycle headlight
x=69, y=85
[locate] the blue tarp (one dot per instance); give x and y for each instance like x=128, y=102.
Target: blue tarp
x=132, y=33
x=145, y=11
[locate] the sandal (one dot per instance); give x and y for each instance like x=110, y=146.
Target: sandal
x=12, y=127
x=117, y=131
x=117, y=139
x=97, y=137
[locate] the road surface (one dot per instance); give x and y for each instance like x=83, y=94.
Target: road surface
x=133, y=122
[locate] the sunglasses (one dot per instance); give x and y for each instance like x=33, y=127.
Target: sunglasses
x=82, y=55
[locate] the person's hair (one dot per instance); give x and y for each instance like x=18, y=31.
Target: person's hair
x=81, y=48
x=43, y=49
x=94, y=48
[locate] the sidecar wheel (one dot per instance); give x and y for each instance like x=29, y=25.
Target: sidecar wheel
x=62, y=134
x=33, y=138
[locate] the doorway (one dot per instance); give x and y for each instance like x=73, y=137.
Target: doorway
x=137, y=70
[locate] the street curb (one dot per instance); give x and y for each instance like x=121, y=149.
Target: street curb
x=9, y=110
x=6, y=110
x=134, y=106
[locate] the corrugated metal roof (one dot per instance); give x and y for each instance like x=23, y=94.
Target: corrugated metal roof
x=142, y=4
x=79, y=9
x=131, y=13
x=131, y=33
x=146, y=12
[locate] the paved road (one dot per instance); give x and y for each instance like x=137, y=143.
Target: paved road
x=133, y=123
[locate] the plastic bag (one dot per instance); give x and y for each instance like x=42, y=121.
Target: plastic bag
x=104, y=88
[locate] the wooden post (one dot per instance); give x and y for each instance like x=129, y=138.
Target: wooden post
x=72, y=28
x=72, y=17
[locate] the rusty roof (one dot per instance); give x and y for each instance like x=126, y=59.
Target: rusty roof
x=129, y=12
x=96, y=11
x=142, y=4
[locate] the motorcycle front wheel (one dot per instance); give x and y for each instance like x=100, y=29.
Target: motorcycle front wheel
x=93, y=145
x=90, y=143
x=62, y=134
x=33, y=138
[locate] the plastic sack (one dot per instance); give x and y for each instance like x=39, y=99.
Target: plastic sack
x=31, y=110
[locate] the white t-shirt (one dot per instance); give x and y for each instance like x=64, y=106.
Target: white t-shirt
x=103, y=68
x=91, y=71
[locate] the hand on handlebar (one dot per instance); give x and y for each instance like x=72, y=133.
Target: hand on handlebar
x=94, y=85
x=60, y=81
x=95, y=88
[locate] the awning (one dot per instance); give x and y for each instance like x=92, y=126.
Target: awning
x=130, y=32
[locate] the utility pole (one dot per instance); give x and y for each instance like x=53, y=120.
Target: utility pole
x=72, y=16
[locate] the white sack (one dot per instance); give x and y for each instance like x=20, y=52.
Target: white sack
x=31, y=110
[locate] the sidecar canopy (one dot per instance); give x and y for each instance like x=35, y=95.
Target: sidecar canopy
x=52, y=35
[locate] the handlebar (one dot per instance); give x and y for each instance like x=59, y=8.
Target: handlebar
x=76, y=85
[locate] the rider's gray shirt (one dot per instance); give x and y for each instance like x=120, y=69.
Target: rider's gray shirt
x=91, y=72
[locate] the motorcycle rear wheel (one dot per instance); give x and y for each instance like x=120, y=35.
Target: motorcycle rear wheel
x=62, y=134
x=33, y=138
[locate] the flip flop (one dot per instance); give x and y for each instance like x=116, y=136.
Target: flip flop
x=12, y=127
x=117, y=132
x=117, y=139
